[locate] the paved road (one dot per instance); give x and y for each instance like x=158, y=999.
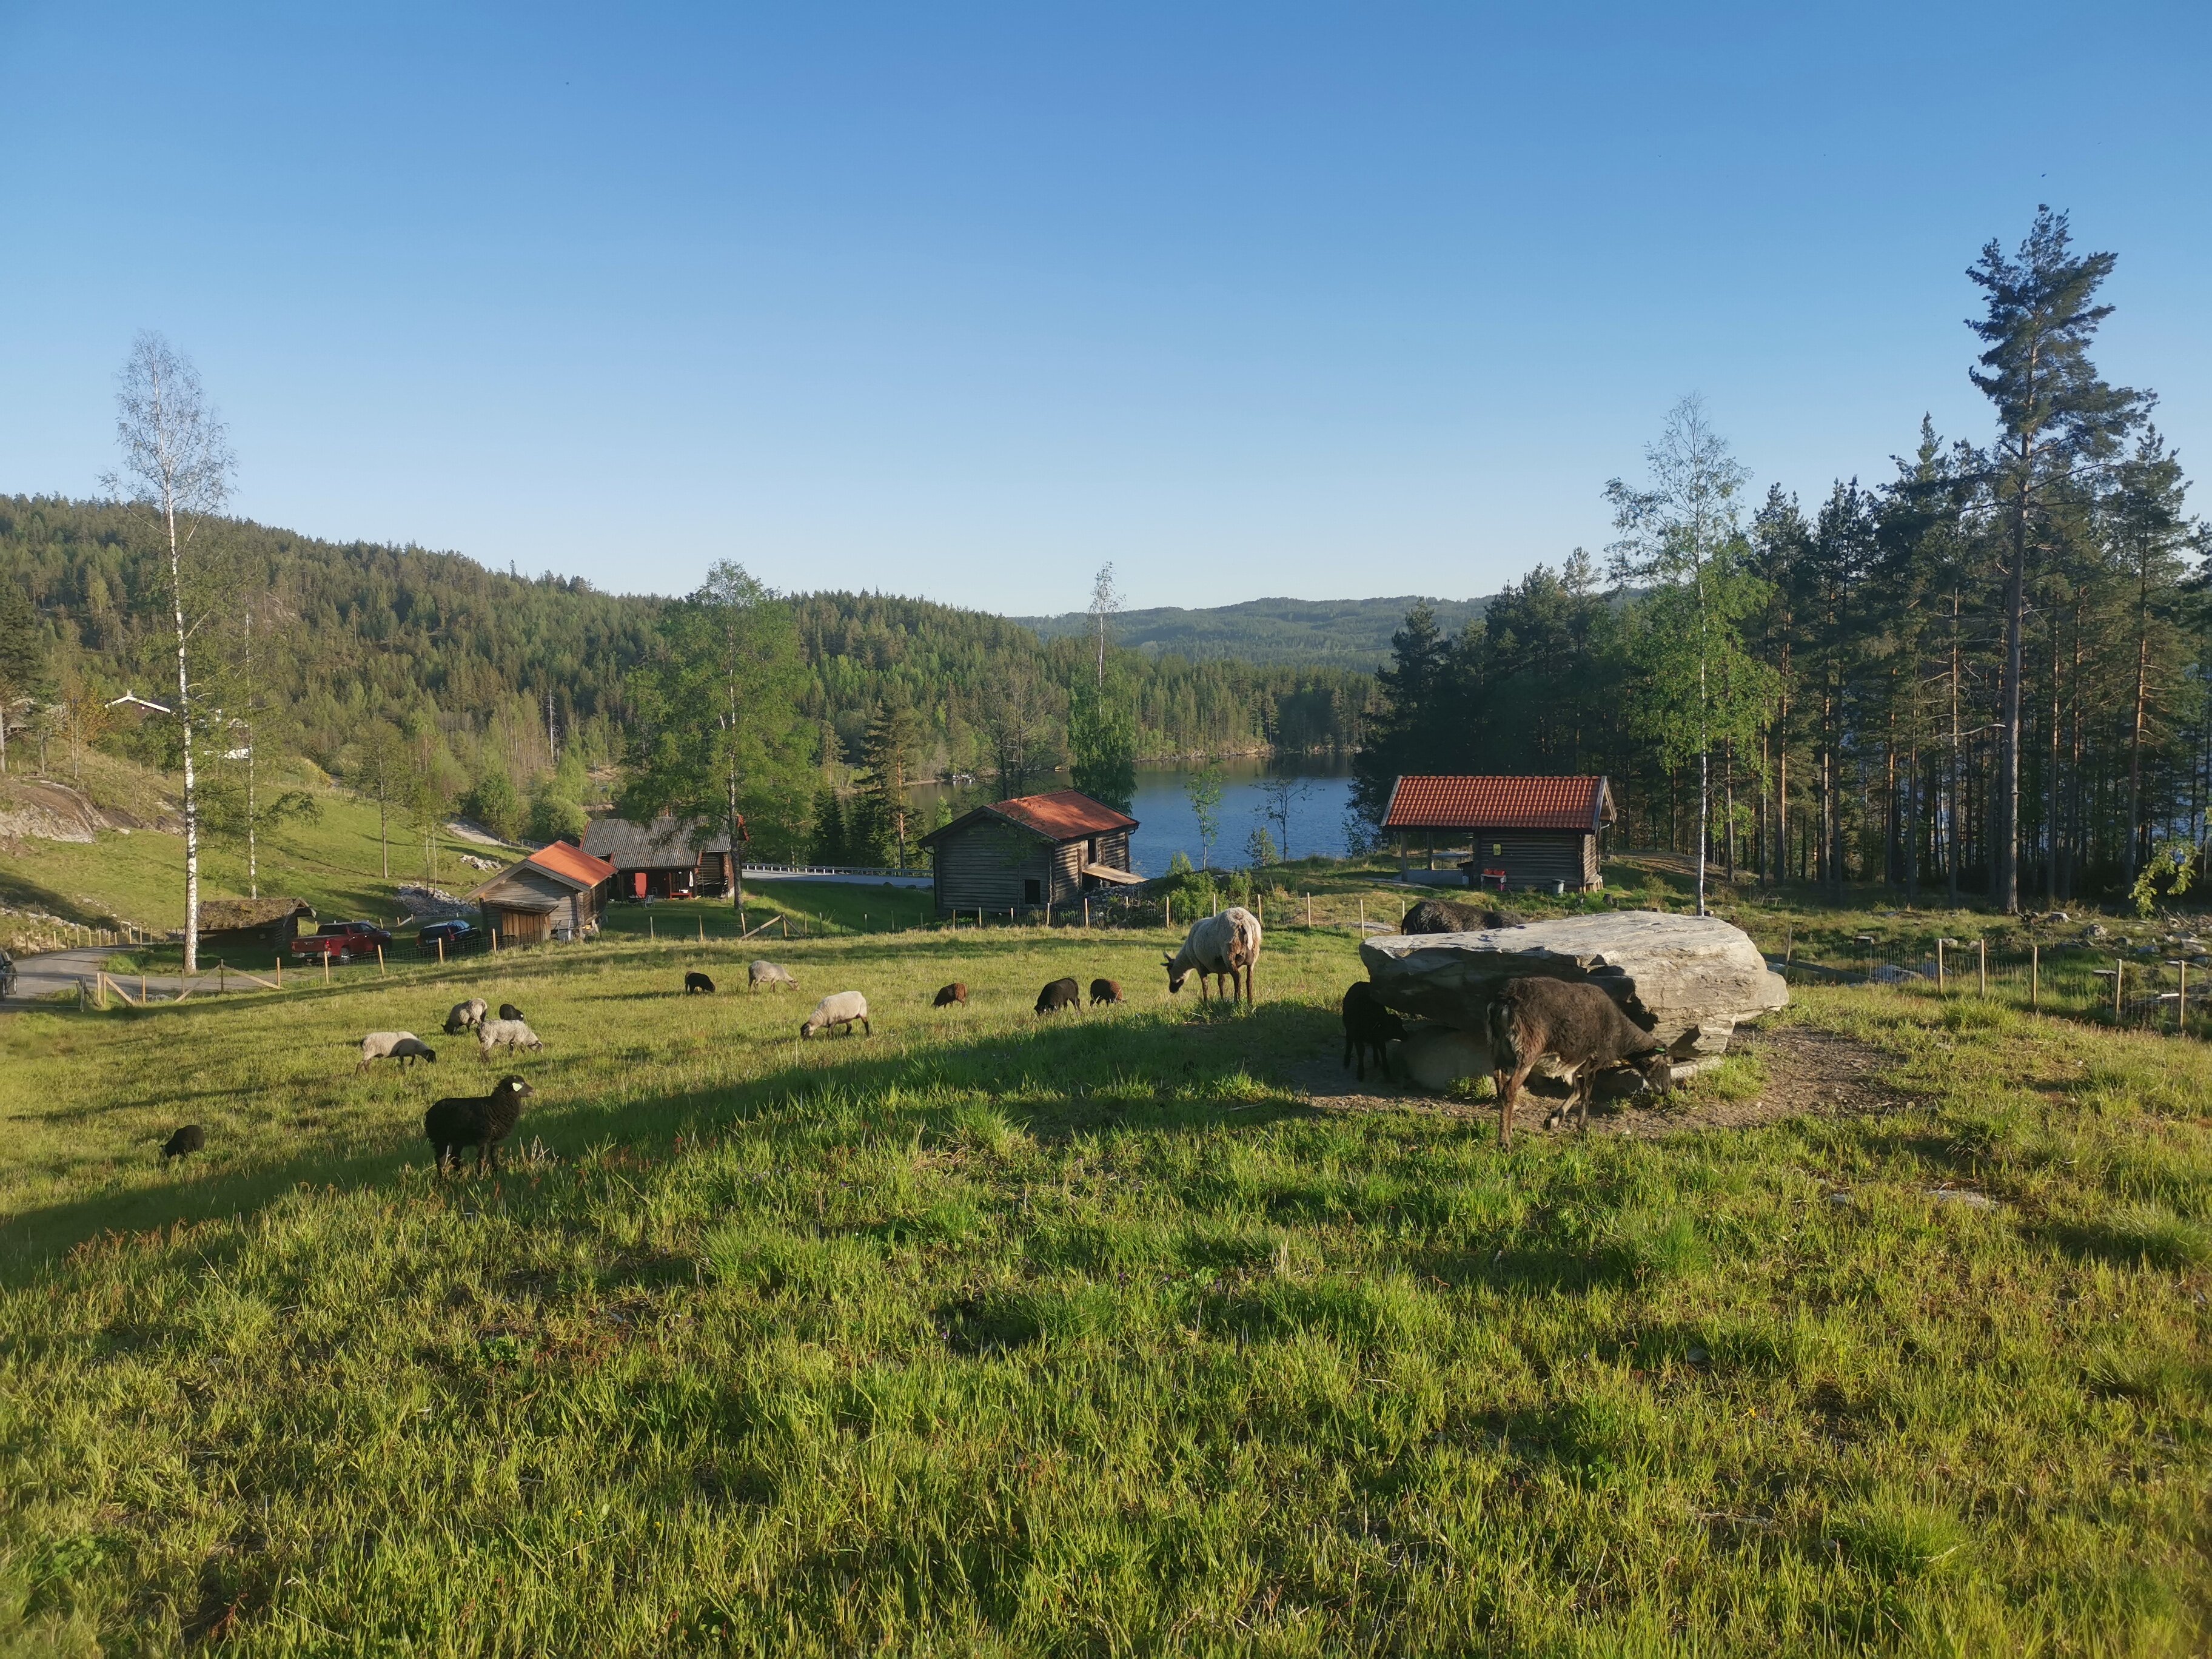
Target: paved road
x=42, y=974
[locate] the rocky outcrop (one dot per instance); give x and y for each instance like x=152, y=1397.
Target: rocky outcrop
x=1689, y=981
x=39, y=809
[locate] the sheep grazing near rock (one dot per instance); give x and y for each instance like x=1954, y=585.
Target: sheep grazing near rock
x=189, y=1139
x=766, y=973
x=507, y=1034
x=1226, y=947
x=842, y=1009
x=466, y=1017
x=697, y=981
x=1576, y=1025
x=1370, y=1027
x=1443, y=916
x=403, y=1046
x=1060, y=993
x=947, y=995
x=1104, y=990
x=478, y=1121
x=508, y=1010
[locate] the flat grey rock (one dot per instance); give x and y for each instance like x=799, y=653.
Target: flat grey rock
x=1689, y=980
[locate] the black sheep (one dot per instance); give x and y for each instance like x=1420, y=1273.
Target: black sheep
x=508, y=1010
x=189, y=1139
x=947, y=995
x=1104, y=990
x=1369, y=1025
x=697, y=981
x=1443, y=916
x=478, y=1121
x=1060, y=993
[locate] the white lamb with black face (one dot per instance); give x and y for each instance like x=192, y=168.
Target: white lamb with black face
x=842, y=1009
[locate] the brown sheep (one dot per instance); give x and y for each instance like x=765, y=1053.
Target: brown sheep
x=1575, y=1024
x=1104, y=990
x=955, y=992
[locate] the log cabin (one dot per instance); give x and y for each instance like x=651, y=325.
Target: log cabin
x=661, y=860
x=1526, y=832
x=1030, y=852
x=559, y=891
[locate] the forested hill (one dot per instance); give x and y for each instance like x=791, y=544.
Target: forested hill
x=1341, y=633
x=349, y=632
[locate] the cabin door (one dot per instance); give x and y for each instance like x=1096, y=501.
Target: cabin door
x=638, y=877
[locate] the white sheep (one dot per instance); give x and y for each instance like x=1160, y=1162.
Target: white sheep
x=768, y=973
x=402, y=1046
x=466, y=1017
x=841, y=1009
x=510, y=1034
x=1224, y=945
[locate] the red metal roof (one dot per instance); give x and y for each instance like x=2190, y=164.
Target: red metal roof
x=1496, y=803
x=1064, y=814
x=572, y=865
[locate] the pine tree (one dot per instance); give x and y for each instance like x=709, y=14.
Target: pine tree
x=894, y=741
x=23, y=675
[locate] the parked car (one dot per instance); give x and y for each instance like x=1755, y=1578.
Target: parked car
x=365, y=935
x=334, y=947
x=458, y=938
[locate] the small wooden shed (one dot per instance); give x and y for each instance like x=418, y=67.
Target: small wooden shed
x=1516, y=832
x=559, y=891
x=1031, y=852
x=270, y=924
x=661, y=860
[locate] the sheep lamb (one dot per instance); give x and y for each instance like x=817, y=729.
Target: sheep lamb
x=842, y=1009
x=949, y=994
x=402, y=1046
x=478, y=1121
x=696, y=980
x=1369, y=1025
x=1104, y=990
x=1225, y=946
x=758, y=974
x=1443, y=916
x=1060, y=993
x=466, y=1017
x=1579, y=1028
x=508, y=1010
x=509, y=1034
x=189, y=1139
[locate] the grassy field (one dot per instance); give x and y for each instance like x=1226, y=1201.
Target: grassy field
x=1093, y=1334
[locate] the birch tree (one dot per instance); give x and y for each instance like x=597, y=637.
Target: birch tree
x=177, y=467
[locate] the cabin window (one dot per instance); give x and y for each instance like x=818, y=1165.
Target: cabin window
x=1033, y=892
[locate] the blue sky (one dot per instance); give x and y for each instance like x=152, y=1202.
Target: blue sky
x=962, y=300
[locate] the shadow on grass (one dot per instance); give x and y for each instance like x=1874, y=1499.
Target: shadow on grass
x=1041, y=1079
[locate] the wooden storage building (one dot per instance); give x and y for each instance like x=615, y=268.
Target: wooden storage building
x=1030, y=852
x=661, y=860
x=270, y=924
x=559, y=891
x=1517, y=832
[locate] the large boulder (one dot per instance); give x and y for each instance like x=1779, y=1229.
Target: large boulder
x=1689, y=981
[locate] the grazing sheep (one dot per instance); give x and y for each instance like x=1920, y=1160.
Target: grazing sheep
x=1443, y=916
x=1104, y=990
x=766, y=973
x=189, y=1139
x=841, y=1009
x=697, y=981
x=1369, y=1026
x=402, y=1046
x=949, y=994
x=508, y=1010
x=509, y=1034
x=1576, y=1025
x=478, y=1121
x=1060, y=993
x=466, y=1017
x=1225, y=946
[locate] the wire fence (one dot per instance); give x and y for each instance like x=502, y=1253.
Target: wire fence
x=2144, y=991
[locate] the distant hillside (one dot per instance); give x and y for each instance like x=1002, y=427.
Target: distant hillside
x=1339, y=633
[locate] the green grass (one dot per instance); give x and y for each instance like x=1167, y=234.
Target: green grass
x=1088, y=1335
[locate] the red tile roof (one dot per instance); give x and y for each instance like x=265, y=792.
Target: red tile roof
x=571, y=865
x=1496, y=803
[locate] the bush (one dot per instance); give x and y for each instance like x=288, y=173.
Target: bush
x=552, y=816
x=494, y=803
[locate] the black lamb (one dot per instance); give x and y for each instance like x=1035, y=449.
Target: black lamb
x=1443, y=916
x=1060, y=993
x=508, y=1010
x=697, y=981
x=189, y=1139
x=1369, y=1025
x=478, y=1121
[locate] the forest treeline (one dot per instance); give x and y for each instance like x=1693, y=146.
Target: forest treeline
x=510, y=690
x=1982, y=675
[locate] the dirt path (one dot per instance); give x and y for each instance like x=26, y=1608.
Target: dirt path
x=1807, y=1071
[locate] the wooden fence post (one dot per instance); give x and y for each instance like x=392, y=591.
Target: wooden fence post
x=1170, y=913
x=702, y=927
x=2034, y=978
x=2181, y=1004
x=280, y=969
x=442, y=948
x=326, y=967
x=649, y=927
x=2120, y=978
x=1938, y=967
x=1982, y=966
x=379, y=962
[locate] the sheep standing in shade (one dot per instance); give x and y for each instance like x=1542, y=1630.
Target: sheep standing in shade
x=842, y=1009
x=466, y=1017
x=507, y=1034
x=1371, y=1026
x=403, y=1046
x=766, y=973
x=189, y=1139
x=696, y=980
x=1225, y=946
x=478, y=1121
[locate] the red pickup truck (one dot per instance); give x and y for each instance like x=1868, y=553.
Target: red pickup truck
x=342, y=941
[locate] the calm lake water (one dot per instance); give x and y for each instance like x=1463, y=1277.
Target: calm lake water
x=1166, y=825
